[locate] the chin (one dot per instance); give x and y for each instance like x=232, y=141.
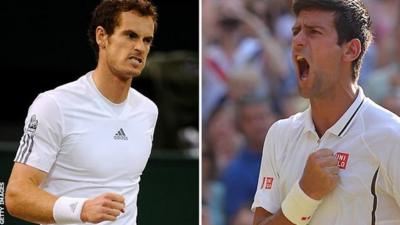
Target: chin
x=126, y=75
x=135, y=72
x=131, y=73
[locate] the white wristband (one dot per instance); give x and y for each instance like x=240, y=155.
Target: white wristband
x=68, y=210
x=298, y=207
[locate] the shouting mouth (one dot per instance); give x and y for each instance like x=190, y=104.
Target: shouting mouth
x=303, y=67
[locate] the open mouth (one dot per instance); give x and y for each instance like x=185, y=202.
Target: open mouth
x=137, y=59
x=303, y=67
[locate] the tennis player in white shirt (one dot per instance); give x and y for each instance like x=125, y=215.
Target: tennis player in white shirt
x=337, y=162
x=86, y=143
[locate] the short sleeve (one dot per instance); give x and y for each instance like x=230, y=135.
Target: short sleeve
x=391, y=170
x=268, y=193
x=42, y=136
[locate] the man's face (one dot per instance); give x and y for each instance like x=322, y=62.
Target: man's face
x=255, y=121
x=127, y=48
x=316, y=54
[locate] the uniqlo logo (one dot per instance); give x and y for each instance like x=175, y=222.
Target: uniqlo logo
x=267, y=182
x=342, y=159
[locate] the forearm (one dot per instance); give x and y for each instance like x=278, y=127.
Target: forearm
x=28, y=202
x=276, y=219
x=275, y=58
x=296, y=208
x=273, y=52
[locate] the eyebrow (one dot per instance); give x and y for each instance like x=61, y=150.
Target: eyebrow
x=314, y=26
x=295, y=27
x=133, y=32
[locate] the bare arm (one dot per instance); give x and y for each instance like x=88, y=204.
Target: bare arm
x=273, y=51
x=25, y=199
x=263, y=217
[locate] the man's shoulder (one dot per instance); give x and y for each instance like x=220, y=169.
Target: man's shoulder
x=380, y=121
x=67, y=94
x=379, y=114
x=73, y=86
x=76, y=86
x=292, y=123
x=136, y=96
x=381, y=132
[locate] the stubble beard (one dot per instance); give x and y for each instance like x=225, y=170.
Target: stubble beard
x=315, y=91
x=126, y=73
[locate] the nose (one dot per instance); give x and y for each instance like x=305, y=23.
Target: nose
x=139, y=46
x=298, y=40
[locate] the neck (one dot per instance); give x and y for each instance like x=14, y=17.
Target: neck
x=111, y=86
x=326, y=111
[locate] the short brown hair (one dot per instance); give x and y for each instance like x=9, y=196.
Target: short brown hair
x=351, y=21
x=107, y=14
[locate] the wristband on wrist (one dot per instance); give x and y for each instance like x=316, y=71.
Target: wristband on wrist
x=68, y=210
x=298, y=207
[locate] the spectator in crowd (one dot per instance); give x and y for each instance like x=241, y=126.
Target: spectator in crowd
x=254, y=117
x=213, y=191
x=385, y=82
x=221, y=136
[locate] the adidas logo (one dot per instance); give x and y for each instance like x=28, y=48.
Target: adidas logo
x=73, y=206
x=120, y=135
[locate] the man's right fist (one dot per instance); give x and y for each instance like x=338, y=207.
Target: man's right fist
x=320, y=175
x=105, y=207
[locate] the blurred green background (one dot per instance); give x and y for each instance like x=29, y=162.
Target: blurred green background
x=168, y=190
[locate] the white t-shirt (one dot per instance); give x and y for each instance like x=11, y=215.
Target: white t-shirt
x=88, y=145
x=366, y=141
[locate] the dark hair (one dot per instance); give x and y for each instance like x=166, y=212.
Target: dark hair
x=107, y=15
x=351, y=21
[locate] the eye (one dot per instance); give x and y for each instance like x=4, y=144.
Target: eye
x=132, y=35
x=148, y=40
x=313, y=31
x=295, y=31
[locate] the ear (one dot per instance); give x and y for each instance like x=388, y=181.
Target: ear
x=351, y=50
x=101, y=37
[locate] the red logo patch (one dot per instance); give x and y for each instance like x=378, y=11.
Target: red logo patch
x=267, y=182
x=342, y=159
x=305, y=218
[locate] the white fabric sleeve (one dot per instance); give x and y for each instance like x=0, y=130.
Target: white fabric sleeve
x=42, y=134
x=385, y=147
x=390, y=169
x=154, y=119
x=268, y=193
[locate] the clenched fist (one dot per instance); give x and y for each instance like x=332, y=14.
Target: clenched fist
x=320, y=175
x=105, y=207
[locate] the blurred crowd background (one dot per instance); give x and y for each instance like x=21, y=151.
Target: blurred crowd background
x=248, y=83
